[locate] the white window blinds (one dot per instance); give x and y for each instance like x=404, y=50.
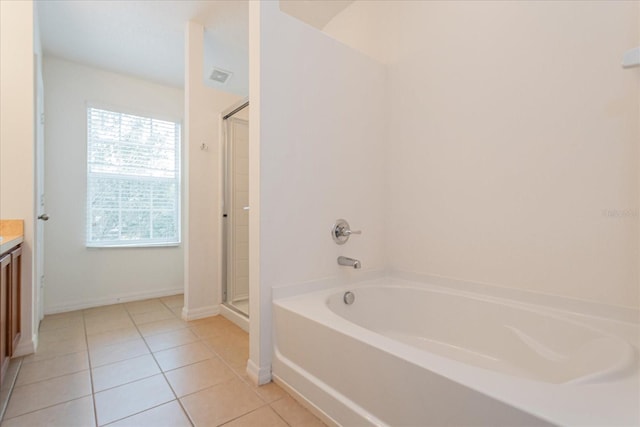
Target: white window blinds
x=133, y=180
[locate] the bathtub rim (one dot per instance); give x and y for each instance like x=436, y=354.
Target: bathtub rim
x=562, y=304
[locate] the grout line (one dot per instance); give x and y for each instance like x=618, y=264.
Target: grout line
x=102, y=347
x=47, y=407
x=162, y=371
x=240, y=416
x=9, y=386
x=93, y=392
x=278, y=413
x=52, y=378
x=128, y=382
x=137, y=413
x=52, y=357
x=17, y=386
x=200, y=339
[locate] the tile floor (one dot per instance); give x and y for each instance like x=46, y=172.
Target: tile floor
x=138, y=364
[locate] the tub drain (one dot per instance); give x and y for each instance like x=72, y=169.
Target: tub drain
x=349, y=298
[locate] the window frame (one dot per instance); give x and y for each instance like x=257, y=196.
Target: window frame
x=145, y=243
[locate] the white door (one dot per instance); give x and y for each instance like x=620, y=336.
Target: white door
x=40, y=200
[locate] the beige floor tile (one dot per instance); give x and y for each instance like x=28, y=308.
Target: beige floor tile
x=240, y=371
x=167, y=415
x=145, y=306
x=75, y=332
x=162, y=326
x=237, y=359
x=152, y=316
x=76, y=413
x=171, y=339
x=117, y=352
x=106, y=316
x=104, y=310
x=51, y=368
x=116, y=336
x=196, y=377
x=42, y=394
x=268, y=392
x=48, y=350
x=177, y=311
x=263, y=417
x=124, y=372
x=221, y=403
x=295, y=414
x=177, y=357
x=61, y=321
x=100, y=324
x=129, y=399
x=173, y=301
x=233, y=348
x=211, y=326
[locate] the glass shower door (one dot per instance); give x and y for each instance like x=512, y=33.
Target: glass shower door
x=236, y=295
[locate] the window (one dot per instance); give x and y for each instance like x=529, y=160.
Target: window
x=133, y=180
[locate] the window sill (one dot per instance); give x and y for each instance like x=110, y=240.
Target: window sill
x=133, y=245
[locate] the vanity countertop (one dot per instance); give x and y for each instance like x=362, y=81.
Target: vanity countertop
x=11, y=233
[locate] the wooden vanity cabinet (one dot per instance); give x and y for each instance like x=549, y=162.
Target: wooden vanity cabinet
x=10, y=286
x=14, y=299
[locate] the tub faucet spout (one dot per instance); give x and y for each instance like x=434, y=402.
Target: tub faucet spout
x=349, y=262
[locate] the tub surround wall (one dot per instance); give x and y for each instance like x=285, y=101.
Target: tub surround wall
x=318, y=128
x=514, y=150
x=76, y=276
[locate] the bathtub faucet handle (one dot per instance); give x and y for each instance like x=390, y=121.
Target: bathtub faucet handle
x=341, y=231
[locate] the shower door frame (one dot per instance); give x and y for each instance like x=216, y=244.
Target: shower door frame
x=227, y=180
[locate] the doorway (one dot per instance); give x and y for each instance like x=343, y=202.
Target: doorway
x=235, y=289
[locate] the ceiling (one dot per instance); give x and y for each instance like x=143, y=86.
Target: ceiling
x=317, y=13
x=145, y=38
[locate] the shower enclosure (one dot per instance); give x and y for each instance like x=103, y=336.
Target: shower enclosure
x=235, y=292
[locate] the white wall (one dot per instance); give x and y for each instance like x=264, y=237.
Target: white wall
x=17, y=108
x=75, y=275
x=514, y=141
x=317, y=126
x=203, y=216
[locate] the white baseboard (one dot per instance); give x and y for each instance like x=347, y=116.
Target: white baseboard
x=26, y=346
x=257, y=374
x=115, y=299
x=199, y=313
x=236, y=318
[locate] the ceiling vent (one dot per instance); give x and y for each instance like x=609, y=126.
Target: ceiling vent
x=221, y=76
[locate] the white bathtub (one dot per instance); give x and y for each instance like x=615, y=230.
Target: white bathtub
x=410, y=354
